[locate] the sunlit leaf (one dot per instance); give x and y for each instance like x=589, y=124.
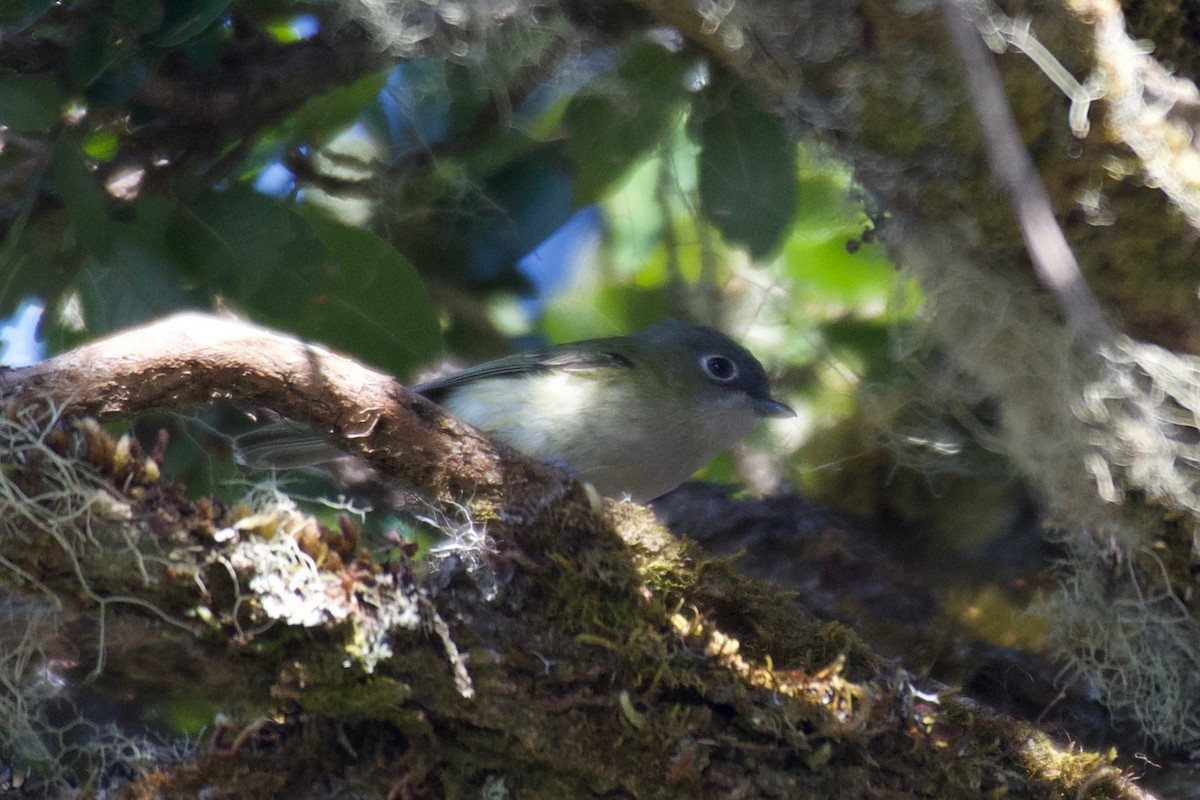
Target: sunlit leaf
x=281, y=31
x=548, y=126
x=826, y=209
x=830, y=272
x=101, y=146
x=635, y=218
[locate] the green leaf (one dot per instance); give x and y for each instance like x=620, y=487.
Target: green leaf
x=118, y=84
x=20, y=269
x=88, y=55
x=36, y=269
x=466, y=93
x=368, y=300
x=238, y=241
x=828, y=271
x=548, y=126
x=283, y=30
x=327, y=282
x=826, y=208
x=101, y=146
x=748, y=187
x=138, y=16
x=329, y=113
x=187, y=19
x=87, y=204
x=30, y=102
x=137, y=282
x=611, y=125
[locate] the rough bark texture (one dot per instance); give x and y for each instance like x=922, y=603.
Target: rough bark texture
x=198, y=359
x=610, y=664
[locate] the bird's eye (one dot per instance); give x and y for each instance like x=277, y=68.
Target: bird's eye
x=719, y=368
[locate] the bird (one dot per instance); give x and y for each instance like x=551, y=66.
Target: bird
x=633, y=415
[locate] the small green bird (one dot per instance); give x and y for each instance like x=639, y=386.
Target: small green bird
x=632, y=415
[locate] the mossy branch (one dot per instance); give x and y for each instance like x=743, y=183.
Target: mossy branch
x=598, y=642
x=194, y=360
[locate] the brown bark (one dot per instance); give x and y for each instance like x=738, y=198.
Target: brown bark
x=691, y=681
x=192, y=360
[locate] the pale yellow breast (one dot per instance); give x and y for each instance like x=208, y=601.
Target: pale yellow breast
x=621, y=442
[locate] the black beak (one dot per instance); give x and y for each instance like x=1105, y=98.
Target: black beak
x=768, y=407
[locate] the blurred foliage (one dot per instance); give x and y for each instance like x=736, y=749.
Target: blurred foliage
x=472, y=205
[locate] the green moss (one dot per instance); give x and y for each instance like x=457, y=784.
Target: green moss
x=373, y=698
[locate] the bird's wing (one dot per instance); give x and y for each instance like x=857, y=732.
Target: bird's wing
x=564, y=357
x=284, y=444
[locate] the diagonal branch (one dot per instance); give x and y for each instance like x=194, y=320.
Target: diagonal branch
x=1052, y=258
x=194, y=359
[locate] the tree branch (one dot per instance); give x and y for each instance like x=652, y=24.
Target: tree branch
x=194, y=359
x=625, y=645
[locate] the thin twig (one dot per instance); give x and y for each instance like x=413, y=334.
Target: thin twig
x=1052, y=258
